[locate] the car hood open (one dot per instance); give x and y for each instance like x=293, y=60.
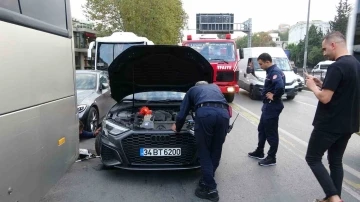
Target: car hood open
x=157, y=68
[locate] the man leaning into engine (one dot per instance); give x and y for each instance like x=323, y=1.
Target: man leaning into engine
x=211, y=126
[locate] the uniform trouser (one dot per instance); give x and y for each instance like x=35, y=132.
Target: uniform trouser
x=335, y=144
x=211, y=126
x=268, y=131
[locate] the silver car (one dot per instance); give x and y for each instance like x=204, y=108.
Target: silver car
x=93, y=97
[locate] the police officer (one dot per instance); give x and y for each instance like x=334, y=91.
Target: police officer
x=273, y=90
x=211, y=126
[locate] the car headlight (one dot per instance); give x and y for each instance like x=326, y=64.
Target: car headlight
x=81, y=108
x=113, y=129
x=230, y=89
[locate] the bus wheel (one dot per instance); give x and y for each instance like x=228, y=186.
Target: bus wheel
x=230, y=97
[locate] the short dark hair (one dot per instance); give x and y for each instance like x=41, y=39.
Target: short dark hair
x=265, y=57
x=334, y=35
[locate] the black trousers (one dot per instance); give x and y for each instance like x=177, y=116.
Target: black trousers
x=268, y=131
x=335, y=144
x=211, y=126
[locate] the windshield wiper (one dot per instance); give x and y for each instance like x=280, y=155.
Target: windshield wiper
x=136, y=100
x=164, y=101
x=222, y=60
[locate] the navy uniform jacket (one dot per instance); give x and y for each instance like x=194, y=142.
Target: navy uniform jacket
x=274, y=83
x=86, y=134
x=198, y=95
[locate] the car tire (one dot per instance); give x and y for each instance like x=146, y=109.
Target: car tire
x=98, y=144
x=290, y=97
x=251, y=93
x=230, y=97
x=92, y=119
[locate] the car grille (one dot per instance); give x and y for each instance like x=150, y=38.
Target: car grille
x=225, y=76
x=134, y=142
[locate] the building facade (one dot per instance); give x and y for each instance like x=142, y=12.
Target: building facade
x=297, y=32
x=276, y=38
x=84, y=33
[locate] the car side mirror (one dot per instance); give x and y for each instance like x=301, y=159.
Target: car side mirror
x=249, y=70
x=240, y=53
x=104, y=86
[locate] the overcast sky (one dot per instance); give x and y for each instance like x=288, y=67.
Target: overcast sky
x=265, y=14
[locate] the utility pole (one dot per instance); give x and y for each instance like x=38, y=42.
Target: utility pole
x=306, y=38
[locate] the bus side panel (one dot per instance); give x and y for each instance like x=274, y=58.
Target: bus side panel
x=38, y=115
x=36, y=67
x=37, y=146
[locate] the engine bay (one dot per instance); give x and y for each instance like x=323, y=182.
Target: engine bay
x=156, y=118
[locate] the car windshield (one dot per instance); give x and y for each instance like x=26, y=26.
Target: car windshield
x=157, y=96
x=85, y=81
x=215, y=50
x=282, y=63
x=107, y=52
x=324, y=66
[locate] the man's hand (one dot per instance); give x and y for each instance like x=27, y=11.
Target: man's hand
x=310, y=83
x=317, y=81
x=173, y=127
x=97, y=131
x=270, y=96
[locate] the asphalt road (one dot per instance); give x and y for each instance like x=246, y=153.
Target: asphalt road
x=239, y=177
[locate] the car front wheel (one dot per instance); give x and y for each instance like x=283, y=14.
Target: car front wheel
x=93, y=119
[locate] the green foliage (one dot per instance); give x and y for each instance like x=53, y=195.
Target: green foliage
x=160, y=21
x=316, y=36
x=260, y=39
x=341, y=19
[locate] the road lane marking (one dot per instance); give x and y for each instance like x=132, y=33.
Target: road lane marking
x=300, y=141
x=304, y=103
x=254, y=119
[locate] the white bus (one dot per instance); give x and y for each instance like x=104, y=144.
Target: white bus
x=353, y=31
x=39, y=135
x=109, y=47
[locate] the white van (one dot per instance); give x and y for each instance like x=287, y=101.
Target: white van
x=322, y=66
x=254, y=83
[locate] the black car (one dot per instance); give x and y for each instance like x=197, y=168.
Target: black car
x=148, y=84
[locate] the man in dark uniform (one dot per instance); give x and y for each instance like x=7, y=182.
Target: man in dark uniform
x=273, y=90
x=211, y=126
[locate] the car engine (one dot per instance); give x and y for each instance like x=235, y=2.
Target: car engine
x=157, y=119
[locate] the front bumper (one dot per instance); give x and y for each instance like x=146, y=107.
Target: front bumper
x=123, y=151
x=228, y=89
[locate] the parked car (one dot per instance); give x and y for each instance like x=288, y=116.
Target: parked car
x=93, y=97
x=301, y=82
x=148, y=84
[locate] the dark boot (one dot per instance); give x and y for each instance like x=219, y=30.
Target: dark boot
x=257, y=154
x=204, y=192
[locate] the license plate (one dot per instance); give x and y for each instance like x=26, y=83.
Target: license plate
x=160, y=151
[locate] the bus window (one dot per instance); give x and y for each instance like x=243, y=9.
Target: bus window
x=356, y=31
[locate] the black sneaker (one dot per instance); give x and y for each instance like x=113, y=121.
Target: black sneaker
x=206, y=193
x=201, y=183
x=268, y=161
x=257, y=154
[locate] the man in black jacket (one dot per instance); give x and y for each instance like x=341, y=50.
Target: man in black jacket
x=274, y=88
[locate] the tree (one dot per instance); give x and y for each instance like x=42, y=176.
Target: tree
x=159, y=21
x=341, y=19
x=260, y=39
x=314, y=46
x=284, y=36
